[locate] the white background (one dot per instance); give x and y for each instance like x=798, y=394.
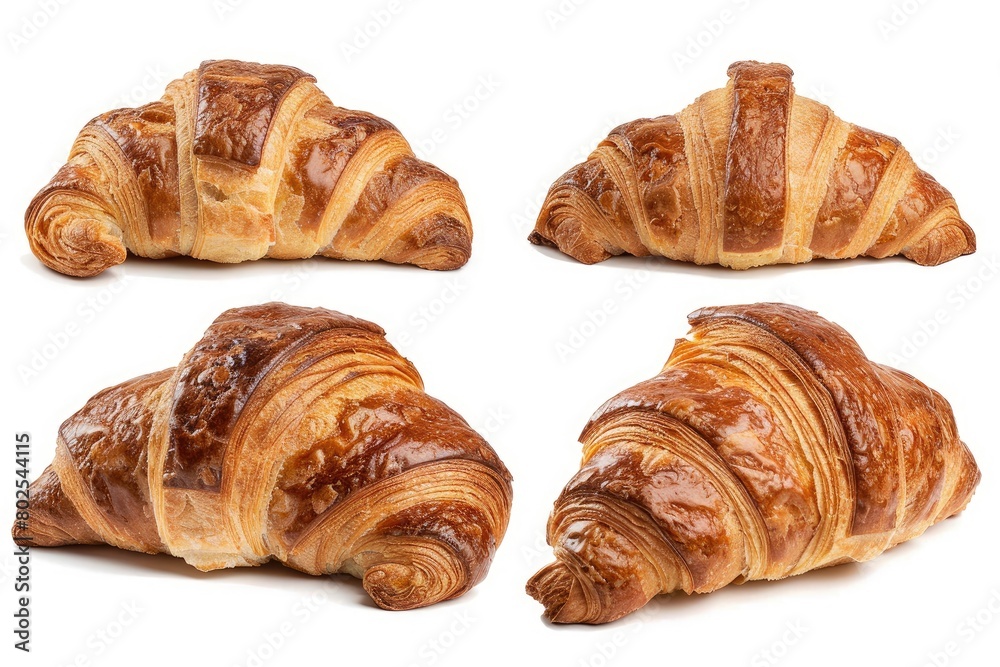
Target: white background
x=559, y=86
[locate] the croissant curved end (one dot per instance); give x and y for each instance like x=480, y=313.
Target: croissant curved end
x=952, y=238
x=392, y=585
x=73, y=235
x=575, y=247
x=565, y=221
x=440, y=240
x=54, y=520
x=442, y=245
x=414, y=573
x=567, y=232
x=571, y=598
x=442, y=259
x=555, y=587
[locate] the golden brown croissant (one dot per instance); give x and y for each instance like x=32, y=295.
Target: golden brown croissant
x=751, y=174
x=297, y=434
x=240, y=161
x=768, y=445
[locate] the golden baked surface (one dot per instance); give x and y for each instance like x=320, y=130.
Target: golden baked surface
x=297, y=434
x=768, y=446
x=240, y=161
x=748, y=175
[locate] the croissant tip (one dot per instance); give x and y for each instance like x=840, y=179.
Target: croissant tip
x=554, y=586
x=445, y=259
x=392, y=586
x=19, y=536
x=80, y=248
x=44, y=534
x=537, y=239
x=398, y=586
x=560, y=225
x=438, y=243
x=415, y=573
x=970, y=237
x=951, y=239
x=552, y=597
x=93, y=267
x=451, y=261
x=581, y=252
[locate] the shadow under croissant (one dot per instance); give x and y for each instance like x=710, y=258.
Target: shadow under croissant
x=820, y=582
x=398, y=568
x=103, y=559
x=667, y=265
x=176, y=267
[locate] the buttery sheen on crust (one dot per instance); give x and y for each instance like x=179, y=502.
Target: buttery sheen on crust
x=768, y=446
x=240, y=161
x=297, y=434
x=748, y=175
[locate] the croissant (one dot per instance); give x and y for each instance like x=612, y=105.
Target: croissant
x=768, y=446
x=240, y=161
x=748, y=175
x=295, y=434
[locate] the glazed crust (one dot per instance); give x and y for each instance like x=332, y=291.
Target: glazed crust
x=768, y=446
x=749, y=175
x=297, y=434
x=240, y=161
x=753, y=216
